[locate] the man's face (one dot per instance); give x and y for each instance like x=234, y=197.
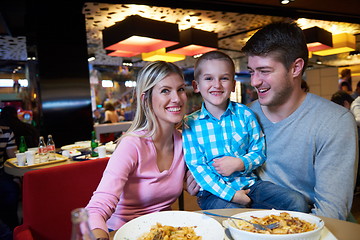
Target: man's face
x=272, y=81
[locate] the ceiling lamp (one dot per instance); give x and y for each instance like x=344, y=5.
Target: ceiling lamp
x=318, y=39
x=284, y=2
x=121, y=53
x=137, y=34
x=195, y=41
x=161, y=55
x=343, y=42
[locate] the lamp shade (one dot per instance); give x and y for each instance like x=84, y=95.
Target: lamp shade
x=161, y=55
x=195, y=41
x=343, y=42
x=318, y=39
x=122, y=53
x=137, y=34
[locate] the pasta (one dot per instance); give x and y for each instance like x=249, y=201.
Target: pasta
x=164, y=232
x=287, y=224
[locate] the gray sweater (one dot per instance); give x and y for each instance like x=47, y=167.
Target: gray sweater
x=313, y=151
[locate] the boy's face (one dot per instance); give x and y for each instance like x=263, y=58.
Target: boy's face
x=215, y=83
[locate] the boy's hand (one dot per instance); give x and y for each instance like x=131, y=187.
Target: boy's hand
x=228, y=165
x=241, y=197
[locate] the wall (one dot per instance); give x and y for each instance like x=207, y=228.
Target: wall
x=323, y=81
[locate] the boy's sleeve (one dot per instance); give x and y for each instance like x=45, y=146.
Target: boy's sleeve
x=202, y=172
x=255, y=156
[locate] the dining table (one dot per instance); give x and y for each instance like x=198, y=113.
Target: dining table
x=342, y=230
x=20, y=171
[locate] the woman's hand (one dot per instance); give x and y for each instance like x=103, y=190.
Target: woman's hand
x=100, y=234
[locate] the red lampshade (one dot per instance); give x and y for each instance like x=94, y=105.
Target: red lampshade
x=318, y=39
x=137, y=35
x=195, y=41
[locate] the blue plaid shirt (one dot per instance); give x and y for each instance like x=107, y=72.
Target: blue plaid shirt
x=237, y=134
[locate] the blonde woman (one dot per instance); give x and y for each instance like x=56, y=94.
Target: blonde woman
x=145, y=173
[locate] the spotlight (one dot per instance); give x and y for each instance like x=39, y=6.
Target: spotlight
x=284, y=2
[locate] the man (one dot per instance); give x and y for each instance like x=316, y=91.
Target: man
x=9, y=190
x=311, y=142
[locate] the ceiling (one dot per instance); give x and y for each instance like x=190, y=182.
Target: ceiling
x=233, y=28
x=233, y=20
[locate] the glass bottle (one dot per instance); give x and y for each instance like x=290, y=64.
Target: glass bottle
x=94, y=145
x=51, y=148
x=80, y=225
x=22, y=146
x=42, y=149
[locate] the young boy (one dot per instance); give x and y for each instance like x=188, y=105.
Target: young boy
x=223, y=145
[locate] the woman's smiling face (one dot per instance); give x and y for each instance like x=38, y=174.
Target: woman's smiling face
x=169, y=99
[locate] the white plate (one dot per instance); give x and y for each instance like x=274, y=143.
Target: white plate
x=76, y=146
x=207, y=227
x=325, y=235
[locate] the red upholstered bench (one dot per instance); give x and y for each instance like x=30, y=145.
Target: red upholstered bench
x=50, y=194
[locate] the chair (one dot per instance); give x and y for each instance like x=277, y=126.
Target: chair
x=50, y=194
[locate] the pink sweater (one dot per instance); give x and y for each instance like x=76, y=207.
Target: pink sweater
x=132, y=184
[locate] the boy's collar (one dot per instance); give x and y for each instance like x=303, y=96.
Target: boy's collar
x=204, y=112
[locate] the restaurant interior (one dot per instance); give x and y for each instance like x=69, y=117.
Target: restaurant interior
x=69, y=60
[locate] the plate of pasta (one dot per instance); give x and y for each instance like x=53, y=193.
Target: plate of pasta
x=291, y=226
x=171, y=225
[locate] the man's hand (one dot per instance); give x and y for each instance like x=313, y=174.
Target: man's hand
x=228, y=165
x=191, y=185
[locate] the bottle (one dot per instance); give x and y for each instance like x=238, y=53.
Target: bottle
x=94, y=145
x=51, y=148
x=80, y=225
x=43, y=156
x=22, y=147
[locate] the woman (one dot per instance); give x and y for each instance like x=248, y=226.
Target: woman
x=145, y=173
x=111, y=115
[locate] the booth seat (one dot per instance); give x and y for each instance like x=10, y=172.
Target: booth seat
x=50, y=194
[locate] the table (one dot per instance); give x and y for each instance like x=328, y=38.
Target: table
x=19, y=172
x=342, y=230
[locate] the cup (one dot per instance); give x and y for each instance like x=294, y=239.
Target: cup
x=21, y=158
x=66, y=153
x=30, y=157
x=102, y=151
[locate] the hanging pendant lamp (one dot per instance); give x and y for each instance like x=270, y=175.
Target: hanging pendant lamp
x=136, y=34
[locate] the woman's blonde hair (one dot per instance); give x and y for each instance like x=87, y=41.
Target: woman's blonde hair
x=148, y=77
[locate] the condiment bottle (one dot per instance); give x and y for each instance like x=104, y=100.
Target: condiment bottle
x=94, y=145
x=22, y=146
x=51, y=148
x=43, y=155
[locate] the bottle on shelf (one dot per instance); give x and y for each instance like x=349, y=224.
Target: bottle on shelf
x=80, y=225
x=42, y=149
x=22, y=146
x=94, y=145
x=51, y=148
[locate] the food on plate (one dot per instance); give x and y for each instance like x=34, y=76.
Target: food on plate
x=164, y=232
x=287, y=224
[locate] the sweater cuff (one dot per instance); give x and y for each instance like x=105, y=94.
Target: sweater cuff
x=97, y=221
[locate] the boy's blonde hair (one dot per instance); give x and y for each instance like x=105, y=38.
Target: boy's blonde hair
x=213, y=55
